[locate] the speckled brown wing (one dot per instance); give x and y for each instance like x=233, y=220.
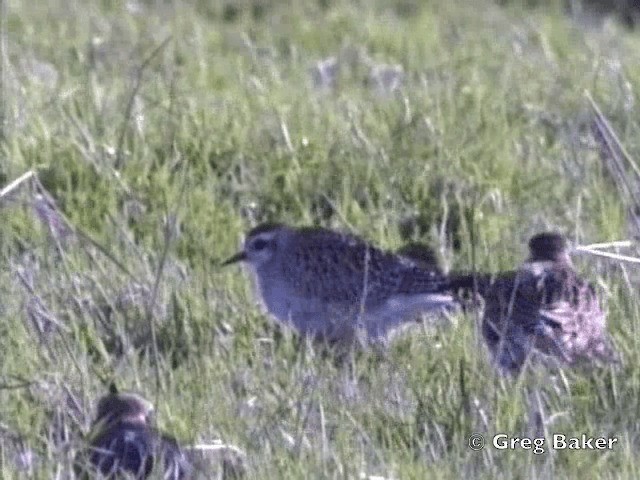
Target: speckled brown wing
x=324, y=252
x=571, y=316
x=544, y=309
x=505, y=339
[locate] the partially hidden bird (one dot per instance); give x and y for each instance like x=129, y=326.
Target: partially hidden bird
x=123, y=443
x=544, y=310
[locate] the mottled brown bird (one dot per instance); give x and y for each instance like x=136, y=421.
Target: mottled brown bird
x=330, y=285
x=544, y=310
x=123, y=443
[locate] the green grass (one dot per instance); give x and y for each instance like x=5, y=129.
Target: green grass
x=164, y=157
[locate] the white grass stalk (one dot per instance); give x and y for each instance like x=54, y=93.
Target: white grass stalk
x=16, y=183
x=614, y=256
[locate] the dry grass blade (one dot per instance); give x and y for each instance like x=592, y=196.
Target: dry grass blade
x=614, y=256
x=49, y=214
x=3, y=65
x=604, y=245
x=622, y=168
x=62, y=221
x=218, y=456
x=596, y=249
x=16, y=183
x=134, y=92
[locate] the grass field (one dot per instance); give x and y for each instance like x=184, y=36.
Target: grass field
x=163, y=130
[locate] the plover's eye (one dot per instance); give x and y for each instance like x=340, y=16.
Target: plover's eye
x=259, y=244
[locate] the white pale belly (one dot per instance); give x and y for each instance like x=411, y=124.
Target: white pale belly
x=306, y=315
x=402, y=309
x=317, y=317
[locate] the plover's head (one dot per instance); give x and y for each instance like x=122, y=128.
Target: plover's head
x=548, y=246
x=129, y=407
x=260, y=245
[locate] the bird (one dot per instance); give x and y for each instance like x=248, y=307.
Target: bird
x=335, y=286
x=122, y=442
x=543, y=310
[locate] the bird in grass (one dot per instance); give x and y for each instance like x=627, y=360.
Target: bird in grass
x=332, y=285
x=543, y=310
x=123, y=443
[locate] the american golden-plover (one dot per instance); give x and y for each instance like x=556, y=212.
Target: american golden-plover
x=544, y=310
x=122, y=442
x=333, y=286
